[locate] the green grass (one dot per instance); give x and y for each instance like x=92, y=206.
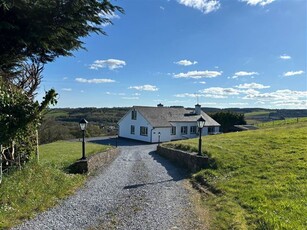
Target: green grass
x=277, y=123
x=37, y=187
x=61, y=154
x=57, y=113
x=259, y=177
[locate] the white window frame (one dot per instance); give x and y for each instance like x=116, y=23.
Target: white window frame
x=211, y=129
x=132, y=129
x=184, y=130
x=193, y=129
x=173, y=130
x=133, y=115
x=144, y=131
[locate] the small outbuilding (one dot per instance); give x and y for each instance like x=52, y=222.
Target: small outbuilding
x=162, y=124
x=244, y=127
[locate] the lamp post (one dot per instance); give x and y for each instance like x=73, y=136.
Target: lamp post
x=83, y=125
x=200, y=124
x=159, y=137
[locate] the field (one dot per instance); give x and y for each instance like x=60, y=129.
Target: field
x=279, y=123
x=37, y=187
x=257, y=179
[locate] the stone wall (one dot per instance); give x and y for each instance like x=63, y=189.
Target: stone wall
x=191, y=161
x=92, y=163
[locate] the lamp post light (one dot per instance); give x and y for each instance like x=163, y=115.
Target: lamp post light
x=200, y=124
x=83, y=125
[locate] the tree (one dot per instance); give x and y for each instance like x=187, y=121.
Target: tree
x=42, y=30
x=19, y=119
x=228, y=119
x=33, y=33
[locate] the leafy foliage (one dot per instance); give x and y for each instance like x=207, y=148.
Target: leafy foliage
x=19, y=119
x=228, y=120
x=33, y=33
x=45, y=29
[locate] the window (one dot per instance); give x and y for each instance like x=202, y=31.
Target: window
x=184, y=129
x=173, y=131
x=132, y=129
x=143, y=131
x=133, y=115
x=210, y=129
x=192, y=129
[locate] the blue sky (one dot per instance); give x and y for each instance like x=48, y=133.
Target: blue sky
x=219, y=53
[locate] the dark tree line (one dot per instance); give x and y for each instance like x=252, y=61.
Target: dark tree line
x=228, y=119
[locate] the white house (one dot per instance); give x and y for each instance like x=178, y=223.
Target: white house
x=161, y=124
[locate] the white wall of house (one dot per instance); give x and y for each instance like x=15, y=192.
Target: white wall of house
x=125, y=127
x=179, y=126
x=164, y=134
x=213, y=130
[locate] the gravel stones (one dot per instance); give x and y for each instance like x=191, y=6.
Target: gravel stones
x=139, y=190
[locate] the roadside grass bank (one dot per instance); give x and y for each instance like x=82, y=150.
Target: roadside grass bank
x=258, y=178
x=38, y=186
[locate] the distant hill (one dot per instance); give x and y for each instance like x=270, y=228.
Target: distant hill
x=110, y=116
x=62, y=123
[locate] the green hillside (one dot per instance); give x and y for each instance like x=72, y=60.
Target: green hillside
x=258, y=179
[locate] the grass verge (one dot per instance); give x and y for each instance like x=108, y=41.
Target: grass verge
x=259, y=177
x=37, y=187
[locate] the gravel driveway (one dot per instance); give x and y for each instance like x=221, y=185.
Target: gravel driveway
x=139, y=190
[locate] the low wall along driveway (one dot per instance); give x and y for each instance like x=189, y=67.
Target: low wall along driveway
x=191, y=161
x=92, y=163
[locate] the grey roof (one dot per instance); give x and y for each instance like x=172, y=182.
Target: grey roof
x=164, y=116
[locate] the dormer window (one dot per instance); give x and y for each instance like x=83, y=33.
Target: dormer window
x=133, y=115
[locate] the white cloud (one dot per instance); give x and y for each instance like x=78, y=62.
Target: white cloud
x=65, y=78
x=205, y=6
x=162, y=8
x=67, y=89
x=219, y=91
x=302, y=104
x=284, y=57
x=130, y=98
x=110, y=63
x=293, y=73
x=145, y=88
x=109, y=16
x=213, y=92
x=252, y=86
x=258, y=2
x=279, y=95
x=238, y=103
x=186, y=62
x=95, y=80
x=244, y=73
x=193, y=95
x=198, y=74
x=115, y=94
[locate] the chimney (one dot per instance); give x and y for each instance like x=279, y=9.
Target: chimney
x=159, y=105
x=197, y=109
